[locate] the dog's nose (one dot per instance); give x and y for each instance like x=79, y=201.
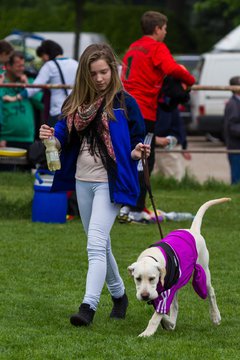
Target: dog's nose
x=145, y=296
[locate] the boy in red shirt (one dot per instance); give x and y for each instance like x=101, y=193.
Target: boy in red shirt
x=145, y=64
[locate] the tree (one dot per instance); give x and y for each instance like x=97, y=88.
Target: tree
x=175, y=6
x=78, y=25
x=228, y=9
x=213, y=19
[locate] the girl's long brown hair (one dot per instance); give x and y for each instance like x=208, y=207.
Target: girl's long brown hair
x=84, y=91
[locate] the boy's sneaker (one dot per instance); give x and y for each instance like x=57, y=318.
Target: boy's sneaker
x=140, y=217
x=84, y=317
x=119, y=307
x=123, y=214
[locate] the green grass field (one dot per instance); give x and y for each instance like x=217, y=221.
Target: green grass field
x=43, y=271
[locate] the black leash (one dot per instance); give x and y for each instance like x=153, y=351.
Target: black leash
x=148, y=186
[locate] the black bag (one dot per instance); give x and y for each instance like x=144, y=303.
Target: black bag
x=172, y=94
x=36, y=155
x=72, y=204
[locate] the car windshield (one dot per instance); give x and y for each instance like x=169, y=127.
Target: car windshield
x=189, y=61
x=198, y=69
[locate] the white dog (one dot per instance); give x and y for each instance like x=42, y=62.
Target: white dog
x=168, y=265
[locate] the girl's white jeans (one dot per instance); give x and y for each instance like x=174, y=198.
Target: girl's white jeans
x=98, y=215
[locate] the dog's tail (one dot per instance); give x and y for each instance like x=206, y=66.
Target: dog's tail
x=197, y=221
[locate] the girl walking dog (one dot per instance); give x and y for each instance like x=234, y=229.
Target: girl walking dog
x=100, y=137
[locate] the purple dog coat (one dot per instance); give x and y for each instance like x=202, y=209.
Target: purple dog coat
x=183, y=245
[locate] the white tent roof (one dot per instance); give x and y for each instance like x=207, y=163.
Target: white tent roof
x=230, y=42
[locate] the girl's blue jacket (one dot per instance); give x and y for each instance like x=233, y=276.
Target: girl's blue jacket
x=125, y=133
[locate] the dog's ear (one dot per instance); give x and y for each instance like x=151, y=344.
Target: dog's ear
x=162, y=272
x=131, y=268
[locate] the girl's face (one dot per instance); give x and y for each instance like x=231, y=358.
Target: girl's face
x=101, y=74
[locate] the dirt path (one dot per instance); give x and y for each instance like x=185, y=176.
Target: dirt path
x=206, y=165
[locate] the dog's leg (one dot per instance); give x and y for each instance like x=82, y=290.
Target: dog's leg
x=213, y=308
x=203, y=259
x=169, y=321
x=152, y=325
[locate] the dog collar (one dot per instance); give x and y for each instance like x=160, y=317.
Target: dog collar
x=172, y=266
x=152, y=257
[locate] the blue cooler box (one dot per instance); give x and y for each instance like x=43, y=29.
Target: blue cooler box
x=47, y=206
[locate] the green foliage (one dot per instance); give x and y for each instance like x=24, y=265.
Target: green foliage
x=201, y=24
x=213, y=19
x=43, y=272
x=59, y=18
x=120, y=23
x=230, y=8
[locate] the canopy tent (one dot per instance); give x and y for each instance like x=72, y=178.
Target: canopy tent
x=230, y=42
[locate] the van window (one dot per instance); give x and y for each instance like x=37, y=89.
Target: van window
x=189, y=61
x=198, y=69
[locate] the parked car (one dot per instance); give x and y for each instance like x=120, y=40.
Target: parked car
x=66, y=40
x=28, y=43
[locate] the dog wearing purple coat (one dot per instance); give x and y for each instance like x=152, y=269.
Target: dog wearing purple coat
x=166, y=266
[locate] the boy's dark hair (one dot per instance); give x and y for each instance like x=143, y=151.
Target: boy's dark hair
x=150, y=20
x=13, y=56
x=234, y=80
x=5, y=47
x=50, y=48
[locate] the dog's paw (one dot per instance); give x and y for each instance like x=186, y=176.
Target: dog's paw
x=216, y=318
x=146, y=333
x=167, y=324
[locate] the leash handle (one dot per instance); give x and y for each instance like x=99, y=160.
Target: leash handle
x=148, y=141
x=148, y=186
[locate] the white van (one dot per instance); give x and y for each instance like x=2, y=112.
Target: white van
x=207, y=107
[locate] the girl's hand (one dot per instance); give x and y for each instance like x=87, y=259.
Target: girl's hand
x=46, y=132
x=136, y=153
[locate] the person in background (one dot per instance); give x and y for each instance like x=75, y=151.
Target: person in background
x=145, y=64
x=100, y=138
x=5, y=51
x=171, y=164
x=18, y=124
x=56, y=69
x=232, y=130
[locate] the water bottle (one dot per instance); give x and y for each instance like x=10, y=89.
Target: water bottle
x=172, y=142
x=179, y=216
x=52, y=154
